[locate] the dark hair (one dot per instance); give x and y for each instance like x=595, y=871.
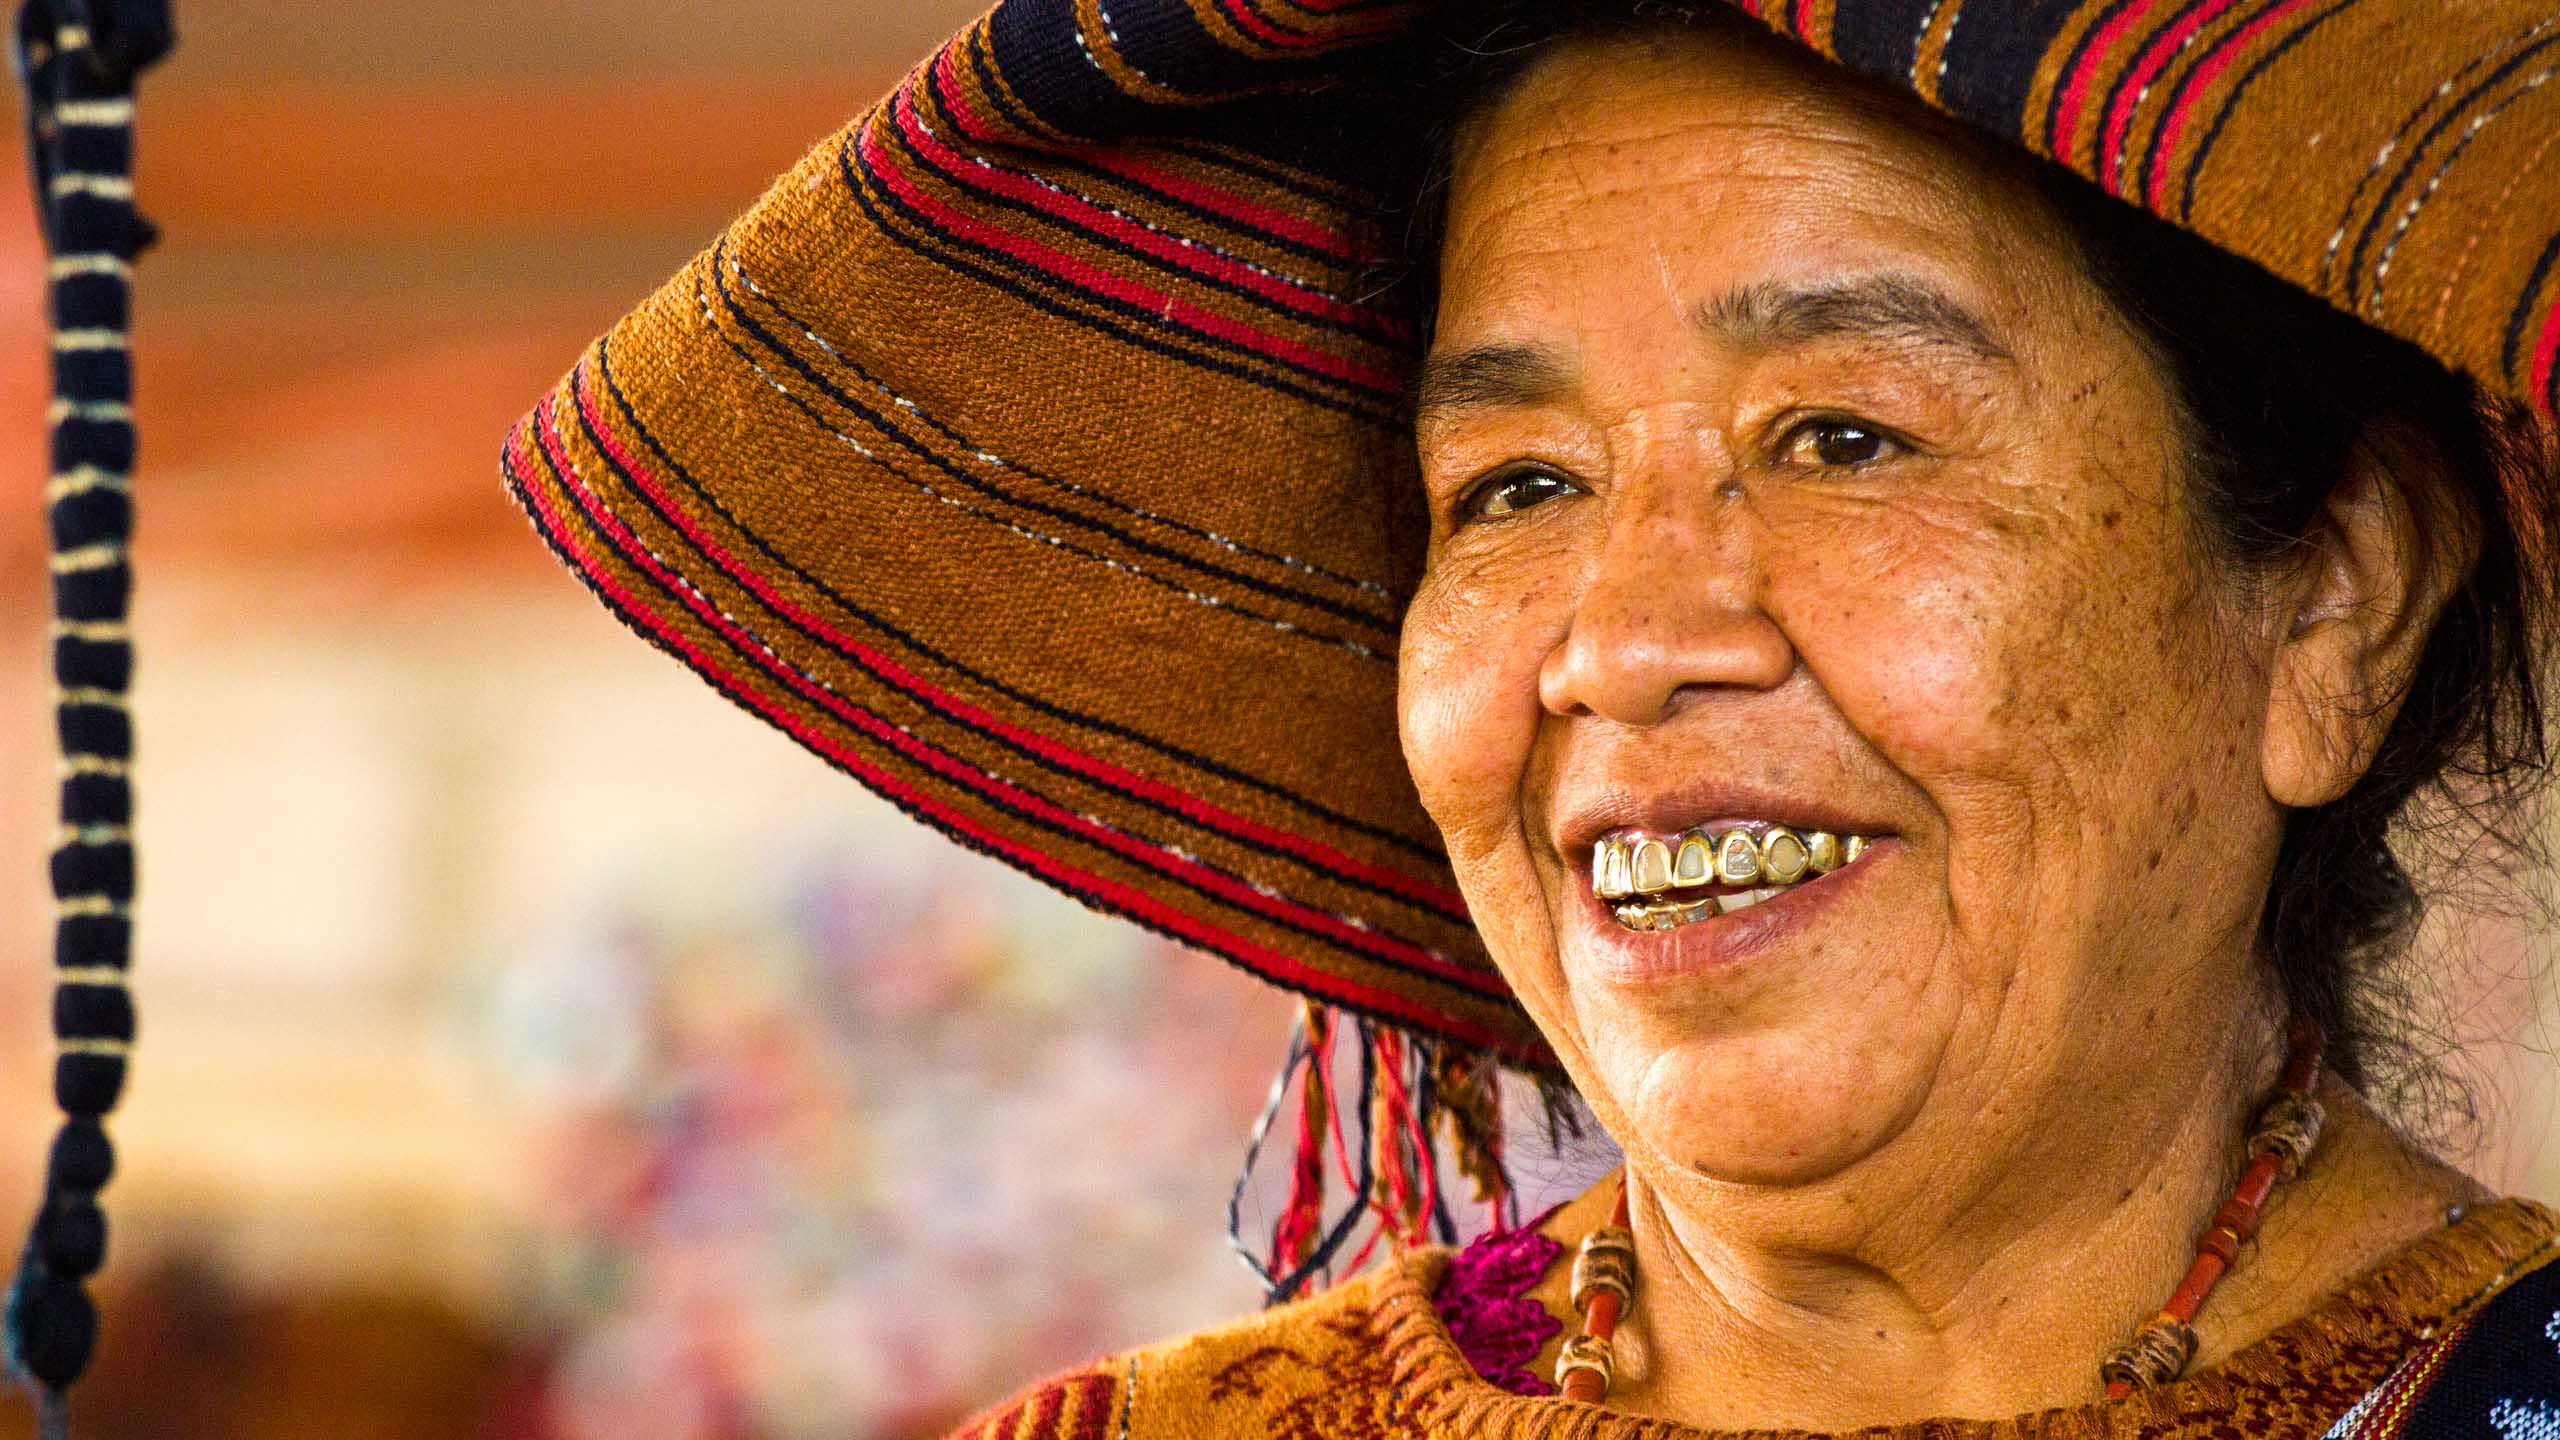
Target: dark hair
x=2276, y=389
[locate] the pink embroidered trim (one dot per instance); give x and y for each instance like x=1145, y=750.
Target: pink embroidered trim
x=1484, y=1300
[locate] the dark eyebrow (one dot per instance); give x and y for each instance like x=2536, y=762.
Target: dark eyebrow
x=1769, y=315
x=1498, y=375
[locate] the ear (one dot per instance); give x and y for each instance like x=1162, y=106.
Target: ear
x=2380, y=566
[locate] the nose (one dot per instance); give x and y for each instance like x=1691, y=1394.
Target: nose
x=1671, y=611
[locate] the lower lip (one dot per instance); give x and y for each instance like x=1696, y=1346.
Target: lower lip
x=1620, y=956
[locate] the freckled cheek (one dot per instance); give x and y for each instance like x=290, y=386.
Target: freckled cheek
x=1467, y=695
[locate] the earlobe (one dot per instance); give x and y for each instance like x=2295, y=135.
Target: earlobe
x=2378, y=570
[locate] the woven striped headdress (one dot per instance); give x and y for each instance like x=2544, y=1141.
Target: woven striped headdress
x=1033, y=451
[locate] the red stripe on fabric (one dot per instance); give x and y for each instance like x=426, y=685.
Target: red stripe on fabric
x=1119, y=227
x=2146, y=68
x=1043, y=1413
x=1349, y=935
x=2075, y=93
x=2199, y=80
x=1272, y=35
x=1798, y=20
x=886, y=669
x=1244, y=211
x=1116, y=895
x=1094, y=1416
x=2546, y=348
x=1101, y=282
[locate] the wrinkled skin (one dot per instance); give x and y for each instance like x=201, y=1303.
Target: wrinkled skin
x=1936, y=1143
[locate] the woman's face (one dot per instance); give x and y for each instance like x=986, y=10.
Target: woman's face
x=1786, y=469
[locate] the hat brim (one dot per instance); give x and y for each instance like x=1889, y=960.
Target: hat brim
x=1033, y=451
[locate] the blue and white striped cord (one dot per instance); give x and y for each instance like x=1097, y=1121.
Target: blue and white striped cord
x=78, y=59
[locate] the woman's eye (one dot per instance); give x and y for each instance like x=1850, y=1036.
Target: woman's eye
x=1839, y=444
x=1513, y=491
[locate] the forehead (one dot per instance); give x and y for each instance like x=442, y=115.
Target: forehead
x=1658, y=173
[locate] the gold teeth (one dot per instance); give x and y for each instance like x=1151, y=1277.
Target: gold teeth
x=1783, y=856
x=1626, y=866
x=1652, y=866
x=1737, y=858
x=1822, y=852
x=1695, y=861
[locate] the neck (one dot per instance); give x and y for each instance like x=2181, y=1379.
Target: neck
x=1922, y=1286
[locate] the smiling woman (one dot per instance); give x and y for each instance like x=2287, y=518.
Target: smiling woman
x=1909, y=671
x=1793, y=471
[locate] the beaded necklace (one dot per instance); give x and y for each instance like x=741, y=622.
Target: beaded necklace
x=1604, y=1270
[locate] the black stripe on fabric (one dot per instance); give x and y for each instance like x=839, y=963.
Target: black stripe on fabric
x=873, y=206
x=1037, y=47
x=92, y=1012
x=2355, y=278
x=83, y=221
x=90, y=517
x=1145, y=314
x=968, y=444
x=2423, y=106
x=1065, y=162
x=919, y=649
x=2231, y=102
x=90, y=729
x=2511, y=351
x=1069, y=546
x=2501, y=1375
x=1263, y=13
x=2096, y=119
x=80, y=941
x=1991, y=62
x=94, y=374
x=71, y=1233
x=81, y=870
x=2043, y=138
x=96, y=593
x=90, y=302
x=87, y=1085
x=890, y=758
x=2135, y=171
x=975, y=49
x=1185, y=275
x=1314, y=187
x=1164, y=41
x=96, y=800
x=1880, y=39
x=1052, y=709
x=107, y=444
x=94, y=149
x=880, y=422
x=92, y=664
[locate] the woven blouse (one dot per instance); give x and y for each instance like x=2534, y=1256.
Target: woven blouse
x=2456, y=1334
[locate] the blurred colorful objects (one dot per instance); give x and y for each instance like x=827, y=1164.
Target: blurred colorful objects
x=850, y=1140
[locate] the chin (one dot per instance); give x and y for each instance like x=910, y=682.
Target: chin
x=1767, y=1110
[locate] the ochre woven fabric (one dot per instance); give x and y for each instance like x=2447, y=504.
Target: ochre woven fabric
x=1373, y=1359
x=1032, y=450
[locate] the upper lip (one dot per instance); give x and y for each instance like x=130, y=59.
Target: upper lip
x=1669, y=811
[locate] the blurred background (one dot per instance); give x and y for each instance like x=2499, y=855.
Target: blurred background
x=536, y=1046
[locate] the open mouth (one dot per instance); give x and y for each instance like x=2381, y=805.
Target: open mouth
x=1659, y=882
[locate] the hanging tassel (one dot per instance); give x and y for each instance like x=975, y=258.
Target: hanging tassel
x=1303, y=1246
x=1468, y=1091
x=1413, y=1091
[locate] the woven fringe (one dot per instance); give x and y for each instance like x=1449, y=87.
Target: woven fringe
x=1418, y=1099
